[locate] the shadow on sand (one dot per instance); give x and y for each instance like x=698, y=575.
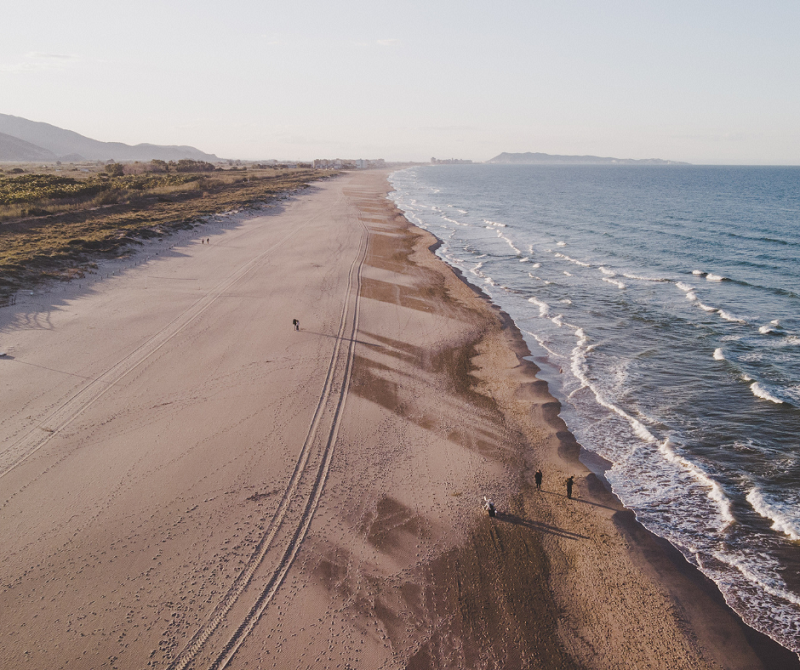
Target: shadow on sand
x=576, y=499
x=537, y=525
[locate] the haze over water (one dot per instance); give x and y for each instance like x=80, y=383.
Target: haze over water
x=663, y=304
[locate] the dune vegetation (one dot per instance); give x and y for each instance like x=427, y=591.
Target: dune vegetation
x=53, y=224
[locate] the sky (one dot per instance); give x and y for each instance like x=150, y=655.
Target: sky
x=704, y=82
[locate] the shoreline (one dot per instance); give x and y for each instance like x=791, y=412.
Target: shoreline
x=691, y=589
x=213, y=481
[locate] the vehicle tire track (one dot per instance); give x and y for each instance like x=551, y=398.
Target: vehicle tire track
x=60, y=418
x=348, y=326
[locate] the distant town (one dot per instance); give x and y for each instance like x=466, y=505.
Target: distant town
x=449, y=161
x=342, y=164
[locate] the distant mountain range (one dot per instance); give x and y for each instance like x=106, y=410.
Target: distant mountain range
x=549, y=159
x=31, y=141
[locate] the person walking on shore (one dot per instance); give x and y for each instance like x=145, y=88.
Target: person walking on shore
x=538, y=478
x=569, y=487
x=296, y=324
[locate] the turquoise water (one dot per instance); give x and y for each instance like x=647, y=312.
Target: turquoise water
x=663, y=305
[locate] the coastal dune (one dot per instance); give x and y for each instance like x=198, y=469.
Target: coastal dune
x=188, y=481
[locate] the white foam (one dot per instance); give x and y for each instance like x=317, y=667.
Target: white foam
x=561, y=244
x=630, y=275
x=524, y=260
x=566, y=301
x=571, y=260
x=713, y=277
x=495, y=224
x=543, y=345
x=579, y=366
x=616, y=282
x=509, y=242
x=698, y=272
x=453, y=221
x=730, y=317
x=607, y=272
x=716, y=494
x=706, y=308
x=536, y=265
x=477, y=270
x=569, y=274
x=765, y=393
x=770, y=327
x=684, y=287
x=691, y=295
x=544, y=308
x=745, y=570
x=718, y=355
x=780, y=521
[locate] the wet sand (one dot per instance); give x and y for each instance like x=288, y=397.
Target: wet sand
x=187, y=481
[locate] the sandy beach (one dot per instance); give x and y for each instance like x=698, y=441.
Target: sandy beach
x=186, y=481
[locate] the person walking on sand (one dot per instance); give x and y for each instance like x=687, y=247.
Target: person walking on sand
x=296, y=324
x=569, y=487
x=538, y=478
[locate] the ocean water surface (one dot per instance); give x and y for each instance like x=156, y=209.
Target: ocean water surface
x=663, y=305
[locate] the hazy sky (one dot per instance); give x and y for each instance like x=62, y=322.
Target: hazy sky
x=705, y=82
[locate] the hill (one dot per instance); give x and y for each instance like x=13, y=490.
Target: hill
x=530, y=158
x=56, y=142
x=15, y=149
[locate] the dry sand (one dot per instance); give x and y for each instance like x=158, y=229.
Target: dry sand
x=186, y=481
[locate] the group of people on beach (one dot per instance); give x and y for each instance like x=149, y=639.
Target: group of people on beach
x=489, y=506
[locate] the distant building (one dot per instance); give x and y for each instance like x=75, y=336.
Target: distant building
x=347, y=164
x=449, y=161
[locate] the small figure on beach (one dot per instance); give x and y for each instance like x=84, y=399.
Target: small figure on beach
x=296, y=324
x=208, y=240
x=570, y=482
x=488, y=505
x=538, y=478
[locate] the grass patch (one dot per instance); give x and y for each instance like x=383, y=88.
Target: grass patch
x=52, y=226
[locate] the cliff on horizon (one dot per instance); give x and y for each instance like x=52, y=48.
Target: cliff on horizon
x=530, y=158
x=24, y=140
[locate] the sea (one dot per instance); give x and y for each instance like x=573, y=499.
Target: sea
x=662, y=304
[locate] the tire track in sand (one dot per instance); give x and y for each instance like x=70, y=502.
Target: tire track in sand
x=299, y=490
x=27, y=445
